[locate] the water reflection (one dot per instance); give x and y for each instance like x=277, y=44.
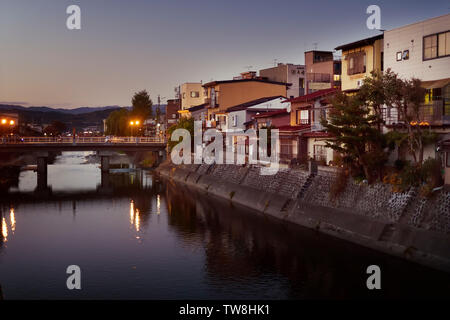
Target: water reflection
x=140, y=238
x=4, y=230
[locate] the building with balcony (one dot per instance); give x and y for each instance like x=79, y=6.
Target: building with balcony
x=307, y=113
x=322, y=71
x=422, y=50
x=288, y=73
x=359, y=59
x=221, y=95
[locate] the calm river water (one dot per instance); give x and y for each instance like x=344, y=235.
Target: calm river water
x=135, y=237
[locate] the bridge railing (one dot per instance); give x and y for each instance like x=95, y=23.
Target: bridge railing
x=81, y=140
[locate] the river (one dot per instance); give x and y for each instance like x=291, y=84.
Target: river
x=137, y=237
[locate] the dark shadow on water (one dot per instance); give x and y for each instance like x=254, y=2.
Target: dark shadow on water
x=246, y=245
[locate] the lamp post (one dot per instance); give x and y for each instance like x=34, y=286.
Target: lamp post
x=134, y=123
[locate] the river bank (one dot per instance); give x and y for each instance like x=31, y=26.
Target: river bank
x=401, y=224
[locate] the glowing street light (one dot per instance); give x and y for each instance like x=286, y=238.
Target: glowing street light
x=11, y=122
x=3, y=121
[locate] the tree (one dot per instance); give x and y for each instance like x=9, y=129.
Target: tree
x=55, y=128
x=117, y=122
x=184, y=123
x=356, y=136
x=407, y=96
x=142, y=105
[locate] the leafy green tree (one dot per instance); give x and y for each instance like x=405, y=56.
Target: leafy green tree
x=356, y=136
x=117, y=123
x=184, y=123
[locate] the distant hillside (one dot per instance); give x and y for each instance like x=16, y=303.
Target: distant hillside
x=48, y=109
x=74, y=118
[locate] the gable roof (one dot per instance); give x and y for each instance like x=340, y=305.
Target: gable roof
x=314, y=95
x=245, y=105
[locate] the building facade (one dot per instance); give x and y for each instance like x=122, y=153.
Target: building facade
x=240, y=115
x=191, y=94
x=359, y=59
x=322, y=71
x=221, y=95
x=288, y=73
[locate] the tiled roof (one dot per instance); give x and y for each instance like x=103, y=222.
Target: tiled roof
x=294, y=128
x=313, y=96
x=271, y=113
x=199, y=107
x=248, y=104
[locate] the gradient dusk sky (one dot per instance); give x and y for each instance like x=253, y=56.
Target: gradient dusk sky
x=126, y=46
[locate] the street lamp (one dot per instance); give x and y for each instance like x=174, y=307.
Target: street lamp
x=3, y=121
x=134, y=123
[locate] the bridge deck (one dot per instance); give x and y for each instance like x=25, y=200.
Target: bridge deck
x=30, y=144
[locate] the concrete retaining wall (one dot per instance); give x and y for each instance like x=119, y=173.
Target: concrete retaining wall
x=401, y=224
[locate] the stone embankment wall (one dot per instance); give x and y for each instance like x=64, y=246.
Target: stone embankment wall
x=403, y=224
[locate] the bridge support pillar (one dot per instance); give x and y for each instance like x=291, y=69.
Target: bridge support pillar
x=160, y=157
x=42, y=160
x=104, y=160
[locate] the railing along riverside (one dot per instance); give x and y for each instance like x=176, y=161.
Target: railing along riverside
x=81, y=140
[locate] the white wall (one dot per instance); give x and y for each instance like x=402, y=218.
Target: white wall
x=410, y=38
x=294, y=73
x=244, y=116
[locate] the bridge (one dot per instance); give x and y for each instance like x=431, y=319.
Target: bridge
x=104, y=146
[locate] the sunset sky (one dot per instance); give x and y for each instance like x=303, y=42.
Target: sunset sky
x=126, y=46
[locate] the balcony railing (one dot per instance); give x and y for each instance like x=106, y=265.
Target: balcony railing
x=318, y=77
x=433, y=114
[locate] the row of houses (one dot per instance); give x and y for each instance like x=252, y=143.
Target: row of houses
x=294, y=98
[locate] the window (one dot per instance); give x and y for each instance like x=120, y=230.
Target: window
x=195, y=94
x=184, y=95
x=446, y=97
x=320, y=153
x=234, y=120
x=399, y=56
x=356, y=63
x=436, y=45
x=302, y=116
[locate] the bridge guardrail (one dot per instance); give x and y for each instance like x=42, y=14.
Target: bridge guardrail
x=81, y=140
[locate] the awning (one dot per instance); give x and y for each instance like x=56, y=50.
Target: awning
x=435, y=84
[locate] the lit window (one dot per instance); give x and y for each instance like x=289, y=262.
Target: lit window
x=195, y=94
x=399, y=56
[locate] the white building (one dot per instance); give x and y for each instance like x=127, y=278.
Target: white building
x=420, y=50
x=238, y=116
